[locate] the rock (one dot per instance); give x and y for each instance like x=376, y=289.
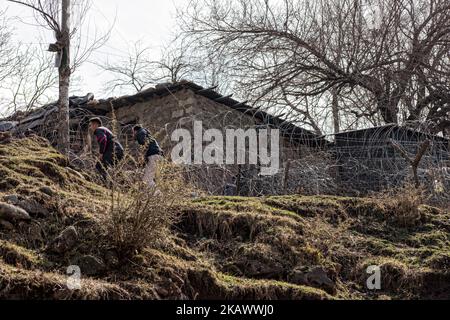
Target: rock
x=111, y=259
x=90, y=265
x=313, y=276
x=318, y=275
x=6, y=225
x=48, y=191
x=12, y=213
x=65, y=241
x=34, y=208
x=298, y=277
x=12, y=199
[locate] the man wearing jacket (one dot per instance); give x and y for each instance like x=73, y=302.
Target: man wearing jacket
x=111, y=151
x=153, y=153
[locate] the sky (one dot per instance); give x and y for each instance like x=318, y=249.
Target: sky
x=150, y=21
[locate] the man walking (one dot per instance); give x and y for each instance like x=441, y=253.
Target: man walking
x=153, y=153
x=111, y=151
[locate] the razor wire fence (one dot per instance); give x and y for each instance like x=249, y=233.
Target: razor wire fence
x=355, y=163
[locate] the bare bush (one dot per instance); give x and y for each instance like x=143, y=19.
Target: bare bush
x=141, y=216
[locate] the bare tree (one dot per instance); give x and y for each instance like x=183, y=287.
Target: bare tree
x=8, y=52
x=65, y=19
x=135, y=72
x=176, y=64
x=390, y=57
x=31, y=82
x=143, y=67
x=9, y=60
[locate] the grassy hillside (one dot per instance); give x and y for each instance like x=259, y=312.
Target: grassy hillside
x=289, y=247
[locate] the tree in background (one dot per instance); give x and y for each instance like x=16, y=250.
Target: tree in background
x=31, y=82
x=142, y=68
x=8, y=52
x=134, y=72
x=65, y=19
x=356, y=62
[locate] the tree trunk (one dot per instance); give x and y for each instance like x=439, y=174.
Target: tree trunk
x=414, y=162
x=286, y=176
x=64, y=81
x=388, y=110
x=335, y=107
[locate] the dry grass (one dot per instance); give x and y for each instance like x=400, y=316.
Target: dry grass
x=403, y=204
x=18, y=256
x=141, y=216
x=18, y=283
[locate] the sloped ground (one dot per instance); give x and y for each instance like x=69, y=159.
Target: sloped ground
x=290, y=247
x=324, y=242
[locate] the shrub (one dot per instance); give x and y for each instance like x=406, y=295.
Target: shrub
x=140, y=216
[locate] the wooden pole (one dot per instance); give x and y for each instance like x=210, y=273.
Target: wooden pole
x=64, y=79
x=286, y=176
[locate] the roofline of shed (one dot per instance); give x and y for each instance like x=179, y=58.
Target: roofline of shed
x=391, y=125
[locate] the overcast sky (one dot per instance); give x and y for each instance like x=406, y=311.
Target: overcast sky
x=151, y=21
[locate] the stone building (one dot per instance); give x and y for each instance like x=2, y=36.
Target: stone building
x=168, y=107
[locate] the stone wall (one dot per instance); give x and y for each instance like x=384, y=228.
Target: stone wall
x=180, y=110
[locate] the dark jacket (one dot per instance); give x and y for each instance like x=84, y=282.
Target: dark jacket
x=107, y=143
x=144, y=138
